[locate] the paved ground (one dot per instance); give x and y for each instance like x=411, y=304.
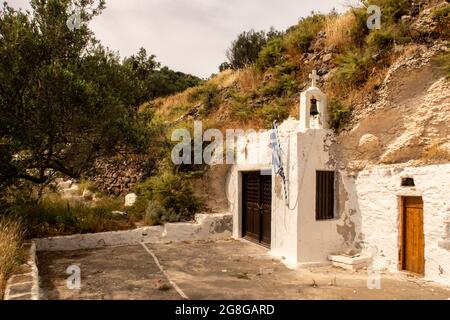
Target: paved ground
x=212, y=270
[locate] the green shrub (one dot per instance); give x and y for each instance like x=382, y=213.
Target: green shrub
x=392, y=10
x=240, y=107
x=443, y=61
x=441, y=15
x=179, y=109
x=209, y=95
x=381, y=40
x=137, y=211
x=301, y=36
x=173, y=192
x=285, y=67
x=55, y=216
x=353, y=67
x=359, y=30
x=88, y=185
x=224, y=66
x=245, y=49
x=284, y=83
x=276, y=110
x=339, y=113
x=271, y=54
x=156, y=214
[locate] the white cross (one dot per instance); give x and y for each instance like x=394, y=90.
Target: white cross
x=314, y=77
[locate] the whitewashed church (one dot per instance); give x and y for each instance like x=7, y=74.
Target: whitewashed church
x=314, y=211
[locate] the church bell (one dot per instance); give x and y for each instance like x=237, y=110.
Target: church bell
x=314, y=111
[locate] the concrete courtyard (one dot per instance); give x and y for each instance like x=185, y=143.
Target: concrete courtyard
x=226, y=269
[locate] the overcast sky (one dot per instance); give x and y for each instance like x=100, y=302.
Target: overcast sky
x=192, y=35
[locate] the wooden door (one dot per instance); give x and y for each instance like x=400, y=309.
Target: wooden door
x=413, y=244
x=266, y=209
x=251, y=199
x=256, y=207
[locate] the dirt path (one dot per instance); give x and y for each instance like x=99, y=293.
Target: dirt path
x=212, y=270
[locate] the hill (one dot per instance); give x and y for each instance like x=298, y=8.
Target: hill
x=390, y=83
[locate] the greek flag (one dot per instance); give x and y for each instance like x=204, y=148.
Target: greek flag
x=276, y=156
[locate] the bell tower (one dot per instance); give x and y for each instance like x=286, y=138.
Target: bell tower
x=313, y=107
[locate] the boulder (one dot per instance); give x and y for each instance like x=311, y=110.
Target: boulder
x=369, y=144
x=130, y=199
x=327, y=57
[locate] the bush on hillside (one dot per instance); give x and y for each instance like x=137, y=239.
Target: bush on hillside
x=441, y=15
x=301, y=36
x=443, y=61
x=209, y=95
x=271, y=54
x=339, y=113
x=392, y=10
x=55, y=216
x=155, y=214
x=245, y=49
x=381, y=40
x=172, y=192
x=224, y=66
x=282, y=85
x=240, y=107
x=353, y=68
x=275, y=110
x=358, y=30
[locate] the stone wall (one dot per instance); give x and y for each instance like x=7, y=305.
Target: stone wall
x=117, y=176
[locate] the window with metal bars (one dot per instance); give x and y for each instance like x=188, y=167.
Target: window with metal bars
x=325, y=195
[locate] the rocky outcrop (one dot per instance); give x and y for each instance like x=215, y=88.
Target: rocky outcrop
x=409, y=119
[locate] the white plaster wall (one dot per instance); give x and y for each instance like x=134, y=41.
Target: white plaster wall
x=296, y=236
x=377, y=192
x=205, y=227
x=285, y=213
x=317, y=239
x=253, y=154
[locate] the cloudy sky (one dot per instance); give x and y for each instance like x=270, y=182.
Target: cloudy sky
x=192, y=35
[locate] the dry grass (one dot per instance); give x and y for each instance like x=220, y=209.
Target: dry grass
x=338, y=30
x=165, y=106
x=249, y=80
x=224, y=79
x=11, y=235
x=436, y=154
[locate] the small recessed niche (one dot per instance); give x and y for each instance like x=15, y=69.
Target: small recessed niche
x=408, y=182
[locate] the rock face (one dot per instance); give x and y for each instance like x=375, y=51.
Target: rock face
x=409, y=118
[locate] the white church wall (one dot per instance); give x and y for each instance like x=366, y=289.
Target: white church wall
x=254, y=154
x=377, y=205
x=285, y=213
x=317, y=239
x=296, y=235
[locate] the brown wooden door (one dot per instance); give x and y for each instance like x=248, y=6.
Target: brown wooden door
x=413, y=246
x=256, y=209
x=266, y=212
